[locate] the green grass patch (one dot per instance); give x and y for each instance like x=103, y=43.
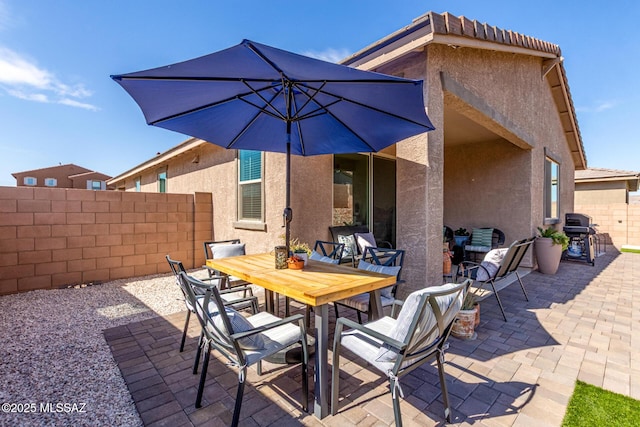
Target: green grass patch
x=631, y=250
x=593, y=406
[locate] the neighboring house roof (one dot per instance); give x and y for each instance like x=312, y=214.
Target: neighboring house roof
x=75, y=169
x=160, y=159
x=464, y=32
x=602, y=174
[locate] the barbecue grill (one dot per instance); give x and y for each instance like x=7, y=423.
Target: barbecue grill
x=580, y=230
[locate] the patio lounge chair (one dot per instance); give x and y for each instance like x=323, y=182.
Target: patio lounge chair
x=230, y=297
x=396, y=347
x=497, y=265
x=243, y=341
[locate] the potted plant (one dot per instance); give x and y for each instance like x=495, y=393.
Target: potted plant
x=467, y=318
x=550, y=243
x=461, y=235
x=300, y=249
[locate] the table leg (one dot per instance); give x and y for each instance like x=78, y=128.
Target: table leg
x=375, y=306
x=321, y=400
x=268, y=301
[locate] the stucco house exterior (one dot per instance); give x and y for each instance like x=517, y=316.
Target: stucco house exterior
x=503, y=154
x=62, y=176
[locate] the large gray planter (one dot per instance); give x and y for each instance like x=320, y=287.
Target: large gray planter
x=548, y=255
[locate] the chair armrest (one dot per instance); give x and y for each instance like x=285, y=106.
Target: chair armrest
x=235, y=289
x=342, y=321
x=384, y=244
x=259, y=329
x=396, y=305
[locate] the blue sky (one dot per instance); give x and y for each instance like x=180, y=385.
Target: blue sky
x=58, y=104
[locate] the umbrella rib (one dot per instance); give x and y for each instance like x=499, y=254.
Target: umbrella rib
x=221, y=102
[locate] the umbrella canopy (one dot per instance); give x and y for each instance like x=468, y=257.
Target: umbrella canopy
x=256, y=97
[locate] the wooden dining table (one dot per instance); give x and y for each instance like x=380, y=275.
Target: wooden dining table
x=317, y=284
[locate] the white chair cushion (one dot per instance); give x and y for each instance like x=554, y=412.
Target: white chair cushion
x=383, y=269
x=224, y=250
x=426, y=323
x=491, y=262
x=349, y=245
x=239, y=324
x=365, y=240
x=317, y=257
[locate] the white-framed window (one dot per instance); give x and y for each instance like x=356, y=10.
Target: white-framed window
x=51, y=182
x=29, y=180
x=551, y=189
x=96, y=185
x=250, y=194
x=162, y=181
x=138, y=184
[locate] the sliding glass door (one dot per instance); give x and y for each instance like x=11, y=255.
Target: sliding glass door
x=364, y=193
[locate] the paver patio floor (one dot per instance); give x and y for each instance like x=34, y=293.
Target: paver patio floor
x=578, y=324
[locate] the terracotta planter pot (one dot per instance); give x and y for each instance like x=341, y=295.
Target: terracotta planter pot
x=548, y=255
x=463, y=327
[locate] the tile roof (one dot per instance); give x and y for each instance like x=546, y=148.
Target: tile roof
x=460, y=31
x=603, y=173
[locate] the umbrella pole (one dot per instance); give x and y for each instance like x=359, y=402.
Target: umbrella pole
x=288, y=213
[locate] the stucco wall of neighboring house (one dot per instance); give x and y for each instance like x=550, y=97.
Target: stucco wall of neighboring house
x=597, y=193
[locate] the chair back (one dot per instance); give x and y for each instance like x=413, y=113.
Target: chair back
x=424, y=322
x=331, y=250
x=217, y=331
x=513, y=257
x=223, y=248
x=385, y=257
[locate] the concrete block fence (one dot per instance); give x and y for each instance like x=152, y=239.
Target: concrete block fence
x=619, y=221
x=53, y=237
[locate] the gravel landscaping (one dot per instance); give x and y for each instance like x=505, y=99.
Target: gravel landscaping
x=56, y=368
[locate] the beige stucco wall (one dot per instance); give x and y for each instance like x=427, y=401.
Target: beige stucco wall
x=216, y=170
x=498, y=183
x=601, y=193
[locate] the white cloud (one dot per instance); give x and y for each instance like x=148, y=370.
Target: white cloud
x=600, y=107
x=329, y=54
x=21, y=77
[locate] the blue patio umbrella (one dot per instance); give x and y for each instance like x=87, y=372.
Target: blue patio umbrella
x=256, y=97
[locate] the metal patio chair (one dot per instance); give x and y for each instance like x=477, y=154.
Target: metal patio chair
x=397, y=346
x=380, y=260
x=243, y=341
x=230, y=296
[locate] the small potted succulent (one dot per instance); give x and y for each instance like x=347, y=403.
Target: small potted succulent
x=300, y=249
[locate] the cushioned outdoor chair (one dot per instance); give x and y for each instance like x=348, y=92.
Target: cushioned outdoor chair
x=330, y=252
x=482, y=240
x=224, y=249
x=396, y=347
x=355, y=238
x=243, y=341
x=380, y=260
x=496, y=265
x=230, y=296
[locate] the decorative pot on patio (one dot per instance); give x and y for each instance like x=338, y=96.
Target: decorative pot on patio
x=548, y=255
x=464, y=325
